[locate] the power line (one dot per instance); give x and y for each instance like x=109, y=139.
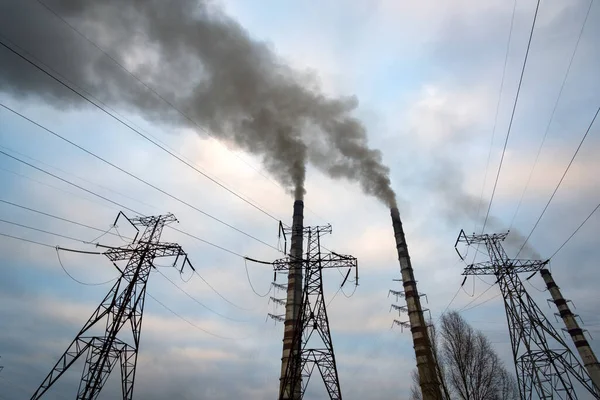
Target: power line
x=75, y=279
x=173, y=228
x=351, y=294
x=512, y=116
x=482, y=303
x=100, y=230
x=190, y=322
x=73, y=194
x=451, y=301
x=219, y=294
x=69, y=182
x=455, y=294
x=487, y=167
x=574, y=232
x=467, y=293
x=75, y=176
x=97, y=229
x=44, y=231
x=57, y=248
x=132, y=176
x=120, y=119
x=27, y=240
x=59, y=218
x=464, y=308
x=250, y=282
x=559, y=182
x=198, y=301
x=562, y=86
x=333, y=297
x=206, y=242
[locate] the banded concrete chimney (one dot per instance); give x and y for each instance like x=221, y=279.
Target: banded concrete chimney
x=293, y=303
x=426, y=365
x=583, y=347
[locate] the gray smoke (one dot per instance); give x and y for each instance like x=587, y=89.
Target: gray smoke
x=207, y=65
x=445, y=181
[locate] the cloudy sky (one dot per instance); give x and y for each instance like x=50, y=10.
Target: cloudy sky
x=427, y=78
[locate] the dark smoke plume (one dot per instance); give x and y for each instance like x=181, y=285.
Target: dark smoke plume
x=207, y=65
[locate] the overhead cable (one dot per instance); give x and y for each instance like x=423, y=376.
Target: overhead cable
x=97, y=103
x=68, y=182
x=512, y=116
x=487, y=166
x=57, y=217
x=134, y=177
x=559, y=182
x=464, y=308
x=191, y=323
x=575, y=231
x=13, y=151
x=562, y=86
x=75, y=279
x=250, y=282
x=44, y=231
x=198, y=301
x=219, y=294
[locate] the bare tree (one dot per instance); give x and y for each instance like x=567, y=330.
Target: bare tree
x=469, y=368
x=415, y=388
x=441, y=369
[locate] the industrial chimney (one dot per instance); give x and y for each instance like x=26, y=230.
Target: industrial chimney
x=583, y=347
x=293, y=305
x=426, y=363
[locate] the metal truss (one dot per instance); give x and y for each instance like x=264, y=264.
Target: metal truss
x=122, y=306
x=546, y=367
x=312, y=326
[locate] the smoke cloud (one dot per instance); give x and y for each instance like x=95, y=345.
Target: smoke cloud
x=208, y=66
x=446, y=140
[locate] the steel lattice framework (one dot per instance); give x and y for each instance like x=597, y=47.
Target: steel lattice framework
x=315, y=347
x=545, y=365
x=123, y=305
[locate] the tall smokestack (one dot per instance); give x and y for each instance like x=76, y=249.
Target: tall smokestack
x=293, y=304
x=583, y=347
x=426, y=365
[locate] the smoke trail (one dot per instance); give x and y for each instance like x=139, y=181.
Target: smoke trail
x=444, y=180
x=205, y=63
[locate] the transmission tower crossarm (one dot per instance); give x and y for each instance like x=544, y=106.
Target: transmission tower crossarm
x=516, y=266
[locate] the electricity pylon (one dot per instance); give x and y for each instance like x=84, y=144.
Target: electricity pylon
x=124, y=304
x=545, y=365
x=310, y=350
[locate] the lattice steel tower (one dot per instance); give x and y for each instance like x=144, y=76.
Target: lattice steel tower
x=311, y=345
x=545, y=365
x=123, y=305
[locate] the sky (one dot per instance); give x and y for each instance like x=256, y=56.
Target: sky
x=428, y=81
